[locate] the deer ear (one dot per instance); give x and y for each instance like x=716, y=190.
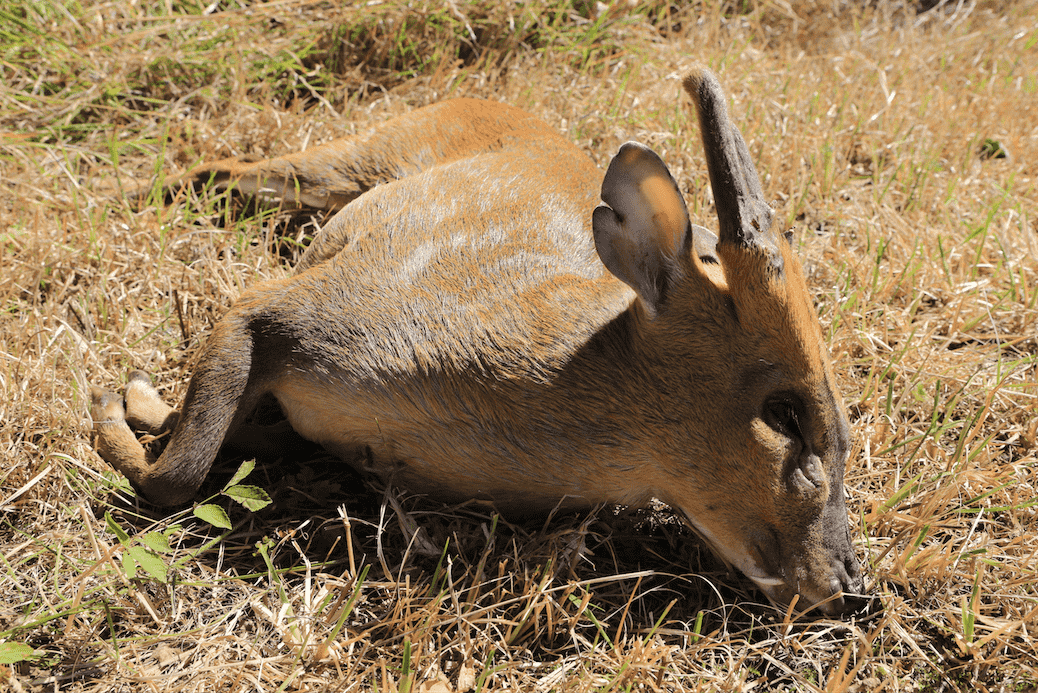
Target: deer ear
x=644, y=229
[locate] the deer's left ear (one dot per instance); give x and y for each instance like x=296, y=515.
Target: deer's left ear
x=644, y=229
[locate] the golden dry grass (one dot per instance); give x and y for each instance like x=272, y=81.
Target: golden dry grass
x=880, y=134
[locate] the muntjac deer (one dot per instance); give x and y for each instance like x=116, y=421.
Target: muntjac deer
x=474, y=321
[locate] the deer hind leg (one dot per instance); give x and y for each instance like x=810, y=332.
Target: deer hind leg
x=116, y=418
x=326, y=177
x=145, y=410
x=116, y=442
x=222, y=392
x=330, y=176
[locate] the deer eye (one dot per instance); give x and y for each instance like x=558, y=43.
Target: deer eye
x=781, y=415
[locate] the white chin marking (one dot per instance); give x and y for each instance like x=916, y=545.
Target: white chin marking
x=742, y=561
x=766, y=582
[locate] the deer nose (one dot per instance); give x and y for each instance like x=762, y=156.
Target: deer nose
x=848, y=584
x=839, y=605
x=834, y=608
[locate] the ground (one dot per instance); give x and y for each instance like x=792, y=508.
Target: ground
x=897, y=140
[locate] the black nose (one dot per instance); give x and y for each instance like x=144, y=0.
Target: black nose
x=854, y=601
x=848, y=579
x=848, y=604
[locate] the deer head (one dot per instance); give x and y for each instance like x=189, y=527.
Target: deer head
x=727, y=331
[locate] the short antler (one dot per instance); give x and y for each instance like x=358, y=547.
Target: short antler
x=744, y=216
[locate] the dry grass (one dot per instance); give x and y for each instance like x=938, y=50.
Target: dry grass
x=878, y=130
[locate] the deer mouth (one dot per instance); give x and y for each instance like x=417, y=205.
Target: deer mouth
x=833, y=598
x=782, y=596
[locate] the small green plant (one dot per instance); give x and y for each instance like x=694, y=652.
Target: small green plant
x=488, y=671
x=968, y=613
x=992, y=149
x=14, y=652
x=142, y=551
x=252, y=498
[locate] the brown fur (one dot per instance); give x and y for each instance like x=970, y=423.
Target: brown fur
x=455, y=318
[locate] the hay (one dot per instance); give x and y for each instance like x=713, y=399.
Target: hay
x=899, y=144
